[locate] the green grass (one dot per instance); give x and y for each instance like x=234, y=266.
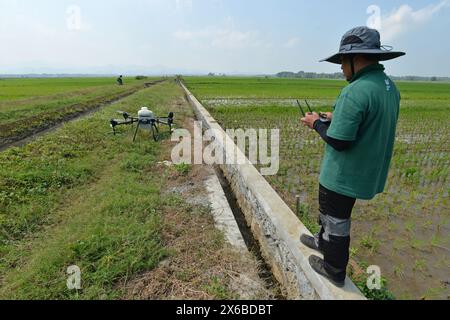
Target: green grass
x=183, y=168
x=11, y=111
x=424, y=90
x=79, y=196
x=15, y=89
x=217, y=289
x=383, y=294
x=111, y=235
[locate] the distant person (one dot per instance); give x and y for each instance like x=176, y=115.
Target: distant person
x=360, y=142
x=120, y=81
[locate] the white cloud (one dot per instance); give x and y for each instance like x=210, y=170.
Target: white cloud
x=223, y=38
x=31, y=41
x=75, y=20
x=293, y=42
x=185, y=35
x=184, y=4
x=406, y=19
x=234, y=39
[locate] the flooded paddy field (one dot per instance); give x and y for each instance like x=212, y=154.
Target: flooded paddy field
x=405, y=230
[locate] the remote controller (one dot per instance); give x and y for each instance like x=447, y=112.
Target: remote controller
x=324, y=118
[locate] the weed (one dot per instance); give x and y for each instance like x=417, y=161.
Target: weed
x=370, y=242
x=420, y=265
x=303, y=212
x=399, y=271
x=218, y=289
x=410, y=226
x=183, y=168
x=353, y=252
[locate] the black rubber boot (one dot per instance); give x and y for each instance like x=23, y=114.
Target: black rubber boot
x=310, y=242
x=318, y=265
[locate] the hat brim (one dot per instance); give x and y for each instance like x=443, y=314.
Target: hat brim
x=383, y=55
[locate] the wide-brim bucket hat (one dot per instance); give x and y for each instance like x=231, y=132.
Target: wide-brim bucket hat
x=363, y=40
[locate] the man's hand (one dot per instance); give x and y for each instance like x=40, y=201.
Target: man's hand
x=310, y=119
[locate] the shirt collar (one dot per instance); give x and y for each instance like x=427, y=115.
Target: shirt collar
x=368, y=69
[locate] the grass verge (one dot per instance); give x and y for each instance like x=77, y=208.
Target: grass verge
x=83, y=197
x=79, y=197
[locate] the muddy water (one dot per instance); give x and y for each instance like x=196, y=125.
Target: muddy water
x=416, y=267
x=406, y=230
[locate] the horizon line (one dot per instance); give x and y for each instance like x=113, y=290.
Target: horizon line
x=194, y=74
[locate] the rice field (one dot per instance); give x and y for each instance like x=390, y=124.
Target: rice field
x=22, y=88
x=405, y=230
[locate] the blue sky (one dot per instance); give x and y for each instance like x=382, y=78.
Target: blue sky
x=222, y=36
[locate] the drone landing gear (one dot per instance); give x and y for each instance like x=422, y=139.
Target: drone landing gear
x=136, y=131
x=155, y=132
x=145, y=121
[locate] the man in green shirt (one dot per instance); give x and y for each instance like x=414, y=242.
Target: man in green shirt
x=360, y=136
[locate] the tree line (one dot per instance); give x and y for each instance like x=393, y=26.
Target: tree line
x=339, y=75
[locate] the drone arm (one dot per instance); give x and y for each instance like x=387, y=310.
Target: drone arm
x=115, y=123
x=168, y=123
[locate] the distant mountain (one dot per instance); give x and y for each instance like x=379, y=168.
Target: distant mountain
x=131, y=70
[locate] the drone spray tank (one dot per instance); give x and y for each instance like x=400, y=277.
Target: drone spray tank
x=146, y=118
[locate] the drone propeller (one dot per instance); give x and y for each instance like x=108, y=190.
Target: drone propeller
x=169, y=119
x=125, y=115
